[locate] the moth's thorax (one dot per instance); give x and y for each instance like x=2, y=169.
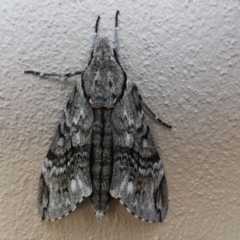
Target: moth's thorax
x=103, y=79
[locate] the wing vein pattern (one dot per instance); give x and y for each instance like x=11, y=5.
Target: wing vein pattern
x=138, y=175
x=65, y=177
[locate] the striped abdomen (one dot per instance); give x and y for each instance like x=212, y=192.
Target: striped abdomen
x=101, y=160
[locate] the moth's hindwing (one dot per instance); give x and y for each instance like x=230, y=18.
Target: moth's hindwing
x=65, y=177
x=138, y=178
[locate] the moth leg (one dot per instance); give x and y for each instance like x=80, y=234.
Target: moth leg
x=116, y=38
x=62, y=76
x=154, y=115
x=94, y=39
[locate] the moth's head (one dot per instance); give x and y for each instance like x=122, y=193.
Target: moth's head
x=102, y=50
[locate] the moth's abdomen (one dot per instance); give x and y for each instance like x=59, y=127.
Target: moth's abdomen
x=101, y=161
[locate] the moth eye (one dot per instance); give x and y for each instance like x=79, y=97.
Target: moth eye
x=110, y=83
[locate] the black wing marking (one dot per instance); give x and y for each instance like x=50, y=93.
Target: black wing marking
x=138, y=175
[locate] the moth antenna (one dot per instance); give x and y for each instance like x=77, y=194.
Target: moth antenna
x=97, y=23
x=116, y=39
x=116, y=19
x=93, y=41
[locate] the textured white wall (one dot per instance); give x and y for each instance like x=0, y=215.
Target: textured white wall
x=183, y=55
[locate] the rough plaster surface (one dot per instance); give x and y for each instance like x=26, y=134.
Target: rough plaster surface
x=184, y=56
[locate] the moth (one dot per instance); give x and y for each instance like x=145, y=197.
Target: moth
x=103, y=146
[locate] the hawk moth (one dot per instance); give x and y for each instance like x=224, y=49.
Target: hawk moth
x=103, y=146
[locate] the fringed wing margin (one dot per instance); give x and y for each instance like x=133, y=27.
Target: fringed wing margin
x=138, y=179
x=65, y=177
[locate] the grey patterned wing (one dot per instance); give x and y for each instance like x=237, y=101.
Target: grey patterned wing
x=65, y=177
x=138, y=179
